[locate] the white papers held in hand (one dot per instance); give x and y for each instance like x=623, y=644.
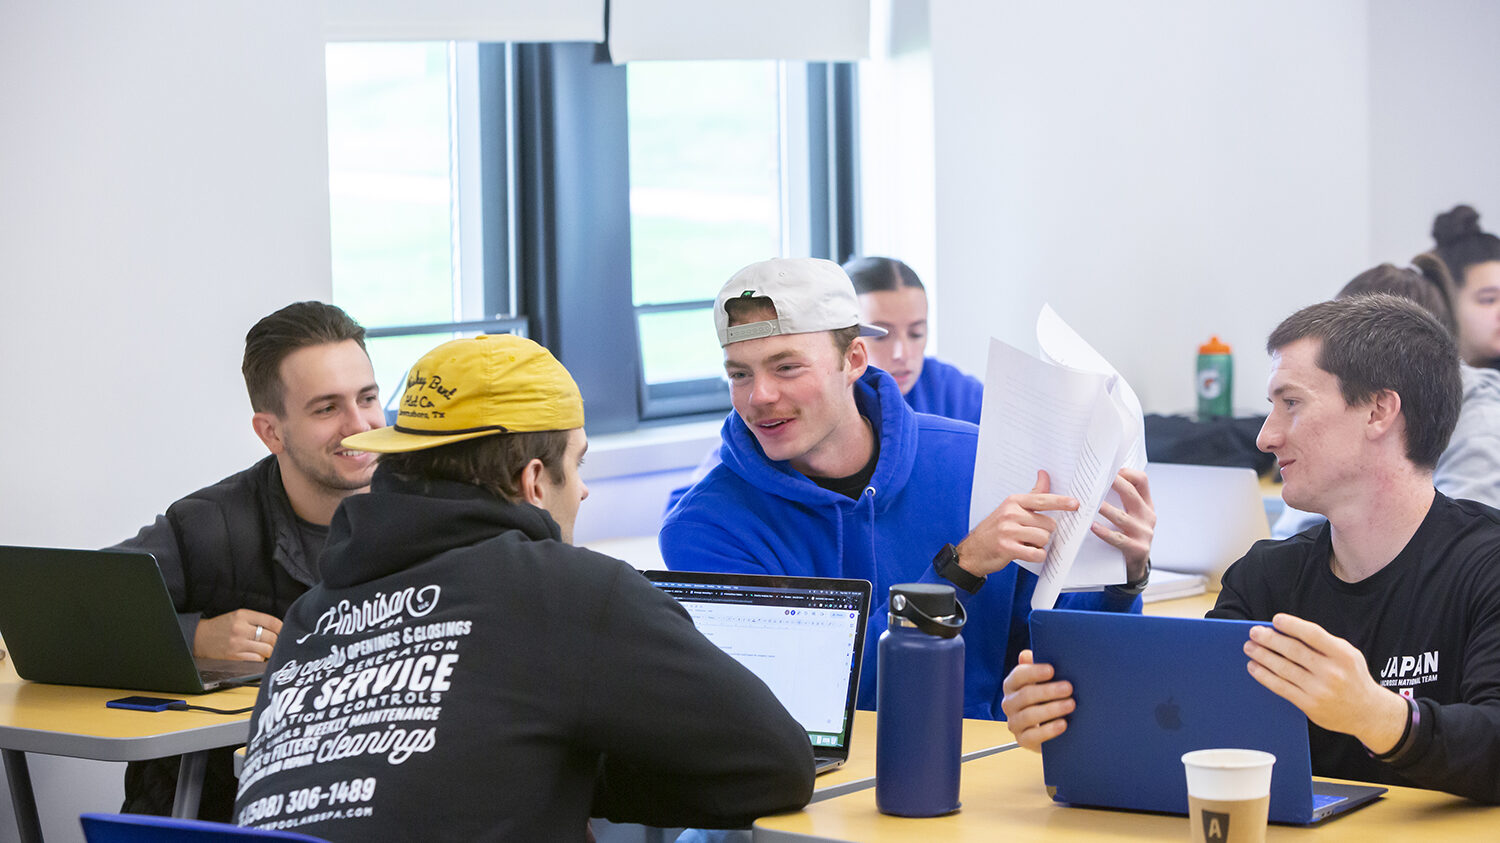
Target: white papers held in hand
x=1068, y=412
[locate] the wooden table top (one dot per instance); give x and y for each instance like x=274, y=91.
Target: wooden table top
x=981, y=737
x=1183, y=607
x=72, y=720
x=1004, y=799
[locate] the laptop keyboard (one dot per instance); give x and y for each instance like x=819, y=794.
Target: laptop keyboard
x=223, y=675
x=224, y=670
x=1323, y=800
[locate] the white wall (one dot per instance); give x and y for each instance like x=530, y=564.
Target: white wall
x=896, y=143
x=1158, y=170
x=1434, y=86
x=163, y=184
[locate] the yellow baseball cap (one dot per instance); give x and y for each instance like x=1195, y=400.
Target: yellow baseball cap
x=478, y=386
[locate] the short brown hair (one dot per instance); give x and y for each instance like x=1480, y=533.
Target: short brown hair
x=743, y=311
x=1372, y=343
x=493, y=463
x=273, y=338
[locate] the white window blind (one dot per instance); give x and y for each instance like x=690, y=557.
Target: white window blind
x=465, y=20
x=808, y=30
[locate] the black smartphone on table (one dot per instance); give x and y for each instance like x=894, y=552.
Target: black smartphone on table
x=143, y=703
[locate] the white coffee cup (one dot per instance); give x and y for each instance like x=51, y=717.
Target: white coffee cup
x=1229, y=794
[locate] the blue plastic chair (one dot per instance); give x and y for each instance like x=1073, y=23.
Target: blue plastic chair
x=144, y=828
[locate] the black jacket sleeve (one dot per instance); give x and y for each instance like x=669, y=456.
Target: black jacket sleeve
x=689, y=736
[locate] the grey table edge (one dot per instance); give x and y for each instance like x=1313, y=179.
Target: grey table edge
x=192, y=744
x=140, y=748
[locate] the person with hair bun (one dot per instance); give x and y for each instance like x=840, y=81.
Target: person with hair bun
x=1472, y=258
x=892, y=297
x=1469, y=468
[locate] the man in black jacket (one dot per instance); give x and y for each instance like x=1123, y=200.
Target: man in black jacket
x=237, y=553
x=462, y=672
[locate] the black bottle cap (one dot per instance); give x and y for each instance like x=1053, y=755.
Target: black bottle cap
x=933, y=600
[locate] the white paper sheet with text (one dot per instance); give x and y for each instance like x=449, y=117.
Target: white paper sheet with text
x=1098, y=563
x=1036, y=416
x=1072, y=415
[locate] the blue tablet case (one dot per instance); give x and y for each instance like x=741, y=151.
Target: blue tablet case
x=1149, y=689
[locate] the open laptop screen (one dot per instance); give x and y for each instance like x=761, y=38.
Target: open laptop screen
x=802, y=636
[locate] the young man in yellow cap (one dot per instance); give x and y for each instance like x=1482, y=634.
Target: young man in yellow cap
x=462, y=672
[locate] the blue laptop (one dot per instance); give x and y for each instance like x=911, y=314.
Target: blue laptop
x=1152, y=688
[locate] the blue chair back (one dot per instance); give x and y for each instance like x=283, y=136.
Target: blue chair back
x=143, y=828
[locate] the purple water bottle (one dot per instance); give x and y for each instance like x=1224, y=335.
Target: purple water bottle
x=919, y=703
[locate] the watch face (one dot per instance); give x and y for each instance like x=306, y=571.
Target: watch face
x=945, y=557
x=947, y=567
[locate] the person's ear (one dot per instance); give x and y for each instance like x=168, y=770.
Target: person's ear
x=1384, y=413
x=268, y=428
x=533, y=479
x=857, y=359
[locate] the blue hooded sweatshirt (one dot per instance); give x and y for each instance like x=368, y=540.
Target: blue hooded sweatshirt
x=752, y=515
x=944, y=390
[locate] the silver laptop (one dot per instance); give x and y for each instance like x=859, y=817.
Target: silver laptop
x=1207, y=516
x=803, y=636
x=103, y=618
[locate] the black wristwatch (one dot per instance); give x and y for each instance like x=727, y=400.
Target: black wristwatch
x=1133, y=589
x=947, y=567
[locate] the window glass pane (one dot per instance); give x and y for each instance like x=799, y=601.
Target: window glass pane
x=704, y=196
x=389, y=184
x=392, y=357
x=675, y=342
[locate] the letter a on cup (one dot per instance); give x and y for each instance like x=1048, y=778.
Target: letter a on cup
x=1215, y=826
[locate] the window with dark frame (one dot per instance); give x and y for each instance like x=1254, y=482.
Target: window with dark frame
x=539, y=189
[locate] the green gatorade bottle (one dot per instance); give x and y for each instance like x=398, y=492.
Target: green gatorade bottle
x=1215, y=380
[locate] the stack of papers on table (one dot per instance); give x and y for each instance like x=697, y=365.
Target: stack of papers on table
x=1170, y=585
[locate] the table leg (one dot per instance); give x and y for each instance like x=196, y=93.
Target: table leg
x=189, y=784
x=22, y=800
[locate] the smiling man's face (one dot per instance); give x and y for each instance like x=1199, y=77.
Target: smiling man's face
x=1317, y=437
x=794, y=393
x=328, y=392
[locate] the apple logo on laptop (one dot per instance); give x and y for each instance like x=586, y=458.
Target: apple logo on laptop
x=1169, y=715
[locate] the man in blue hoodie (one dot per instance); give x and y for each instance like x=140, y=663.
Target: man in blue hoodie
x=827, y=472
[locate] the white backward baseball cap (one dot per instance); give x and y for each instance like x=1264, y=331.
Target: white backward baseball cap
x=809, y=294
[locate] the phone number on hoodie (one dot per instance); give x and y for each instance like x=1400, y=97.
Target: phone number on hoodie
x=308, y=799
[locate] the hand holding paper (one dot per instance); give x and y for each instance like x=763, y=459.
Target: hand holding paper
x=1072, y=416
x=1131, y=526
x=1016, y=529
